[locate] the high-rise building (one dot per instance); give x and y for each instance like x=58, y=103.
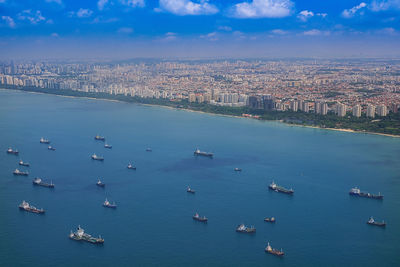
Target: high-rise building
x=317, y=107
x=207, y=97
x=324, y=108
x=192, y=98
x=394, y=107
x=381, y=110
x=268, y=102
x=357, y=111
x=306, y=107
x=294, y=105
x=300, y=105
x=341, y=109
x=371, y=111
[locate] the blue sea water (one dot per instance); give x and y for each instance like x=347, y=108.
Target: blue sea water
x=320, y=225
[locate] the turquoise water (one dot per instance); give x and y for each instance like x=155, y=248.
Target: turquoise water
x=319, y=225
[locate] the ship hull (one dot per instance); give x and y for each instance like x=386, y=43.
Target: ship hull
x=204, y=220
x=281, y=190
x=203, y=154
x=32, y=210
x=21, y=174
x=44, y=185
x=366, y=195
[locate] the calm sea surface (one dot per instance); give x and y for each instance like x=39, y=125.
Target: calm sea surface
x=320, y=225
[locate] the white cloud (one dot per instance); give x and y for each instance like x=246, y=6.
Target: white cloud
x=348, y=13
x=263, y=9
x=32, y=17
x=387, y=31
x=125, y=30
x=212, y=36
x=133, y=3
x=53, y=1
x=170, y=36
x=54, y=34
x=225, y=28
x=315, y=32
x=305, y=15
x=84, y=13
x=322, y=14
x=2, y=1
x=187, y=7
x=9, y=20
x=279, y=32
x=101, y=4
x=383, y=5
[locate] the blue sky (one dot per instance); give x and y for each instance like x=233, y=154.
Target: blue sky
x=199, y=28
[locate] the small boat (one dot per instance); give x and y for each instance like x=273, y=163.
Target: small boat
x=355, y=191
x=100, y=183
x=273, y=186
x=44, y=141
x=51, y=148
x=273, y=251
x=241, y=228
x=39, y=181
x=371, y=221
x=21, y=173
x=131, y=167
x=108, y=204
x=80, y=235
x=26, y=207
x=190, y=190
x=271, y=220
x=197, y=217
x=26, y=164
x=148, y=149
x=107, y=146
x=237, y=169
x=197, y=152
x=99, y=138
x=95, y=157
x=11, y=151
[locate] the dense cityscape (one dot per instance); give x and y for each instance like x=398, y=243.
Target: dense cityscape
x=353, y=87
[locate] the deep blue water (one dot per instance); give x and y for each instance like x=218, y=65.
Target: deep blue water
x=320, y=225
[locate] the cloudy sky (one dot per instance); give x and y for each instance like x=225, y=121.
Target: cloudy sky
x=199, y=28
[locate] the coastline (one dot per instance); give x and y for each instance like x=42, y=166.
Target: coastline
x=210, y=113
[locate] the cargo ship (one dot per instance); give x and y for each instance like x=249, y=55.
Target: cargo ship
x=197, y=217
x=21, y=173
x=11, y=151
x=371, y=221
x=273, y=251
x=241, y=228
x=271, y=220
x=108, y=146
x=197, y=152
x=26, y=207
x=80, y=235
x=39, y=181
x=108, y=204
x=51, y=148
x=95, y=157
x=26, y=164
x=273, y=186
x=357, y=192
x=190, y=190
x=44, y=141
x=100, y=183
x=131, y=167
x=237, y=169
x=148, y=149
x=99, y=138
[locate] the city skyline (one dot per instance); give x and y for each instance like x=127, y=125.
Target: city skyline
x=184, y=28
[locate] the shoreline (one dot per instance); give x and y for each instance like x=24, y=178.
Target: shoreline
x=209, y=113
